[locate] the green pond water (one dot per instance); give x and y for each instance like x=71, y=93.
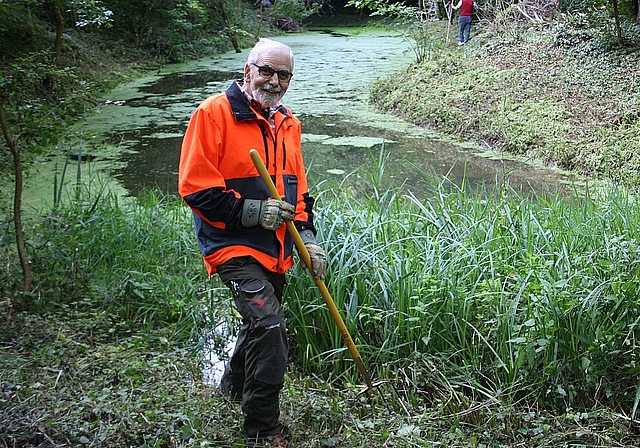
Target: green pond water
x=133, y=139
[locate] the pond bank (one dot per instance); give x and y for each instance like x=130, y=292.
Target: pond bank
x=501, y=292
x=545, y=96
x=137, y=130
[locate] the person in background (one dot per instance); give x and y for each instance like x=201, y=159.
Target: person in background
x=467, y=8
x=433, y=10
x=240, y=229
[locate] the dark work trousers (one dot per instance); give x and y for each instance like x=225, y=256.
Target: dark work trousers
x=259, y=360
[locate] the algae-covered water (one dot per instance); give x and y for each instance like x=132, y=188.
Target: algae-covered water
x=133, y=139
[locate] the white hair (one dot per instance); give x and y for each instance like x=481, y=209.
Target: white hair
x=267, y=44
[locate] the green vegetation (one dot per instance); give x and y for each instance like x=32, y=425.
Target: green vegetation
x=512, y=294
x=559, y=93
x=493, y=319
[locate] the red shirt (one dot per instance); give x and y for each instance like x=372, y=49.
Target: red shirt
x=467, y=8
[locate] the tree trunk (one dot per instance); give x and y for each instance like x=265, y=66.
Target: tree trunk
x=616, y=16
x=449, y=9
x=229, y=25
x=57, y=7
x=260, y=21
x=17, y=201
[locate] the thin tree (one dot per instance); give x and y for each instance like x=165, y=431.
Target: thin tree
x=616, y=17
x=26, y=108
x=230, y=29
x=12, y=144
x=58, y=13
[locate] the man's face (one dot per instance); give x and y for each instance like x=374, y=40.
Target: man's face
x=268, y=90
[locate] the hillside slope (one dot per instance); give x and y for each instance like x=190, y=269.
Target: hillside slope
x=559, y=93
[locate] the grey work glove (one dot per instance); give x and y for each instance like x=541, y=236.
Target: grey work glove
x=270, y=213
x=318, y=257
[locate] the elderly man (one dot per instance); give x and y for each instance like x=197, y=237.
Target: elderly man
x=240, y=229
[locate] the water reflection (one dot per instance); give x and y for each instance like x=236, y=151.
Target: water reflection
x=341, y=131
x=217, y=351
x=174, y=83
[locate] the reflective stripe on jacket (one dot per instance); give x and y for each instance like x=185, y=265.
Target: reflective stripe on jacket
x=216, y=174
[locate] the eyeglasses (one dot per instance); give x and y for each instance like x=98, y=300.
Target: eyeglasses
x=267, y=72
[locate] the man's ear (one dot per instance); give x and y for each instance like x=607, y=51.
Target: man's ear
x=247, y=73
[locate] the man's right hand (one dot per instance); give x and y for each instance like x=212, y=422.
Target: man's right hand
x=270, y=213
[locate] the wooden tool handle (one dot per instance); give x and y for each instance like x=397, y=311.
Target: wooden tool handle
x=306, y=258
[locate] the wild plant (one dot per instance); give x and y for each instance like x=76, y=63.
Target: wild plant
x=509, y=295
x=135, y=257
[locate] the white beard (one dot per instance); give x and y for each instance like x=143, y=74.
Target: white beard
x=268, y=98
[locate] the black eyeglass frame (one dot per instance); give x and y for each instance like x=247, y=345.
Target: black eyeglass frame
x=267, y=72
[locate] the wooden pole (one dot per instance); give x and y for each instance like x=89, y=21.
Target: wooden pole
x=306, y=258
x=449, y=14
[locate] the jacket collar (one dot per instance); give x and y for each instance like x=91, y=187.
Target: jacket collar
x=240, y=106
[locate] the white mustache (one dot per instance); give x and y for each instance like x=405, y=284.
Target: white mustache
x=272, y=89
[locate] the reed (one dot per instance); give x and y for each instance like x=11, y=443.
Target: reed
x=475, y=294
x=507, y=293
x=133, y=257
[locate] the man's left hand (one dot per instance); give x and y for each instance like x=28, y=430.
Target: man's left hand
x=316, y=253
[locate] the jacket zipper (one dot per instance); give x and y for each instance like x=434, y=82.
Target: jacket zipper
x=265, y=142
x=284, y=149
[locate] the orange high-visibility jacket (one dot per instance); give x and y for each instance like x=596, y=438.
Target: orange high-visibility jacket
x=216, y=174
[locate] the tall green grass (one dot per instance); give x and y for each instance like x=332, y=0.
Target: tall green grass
x=507, y=295
x=135, y=257
x=466, y=295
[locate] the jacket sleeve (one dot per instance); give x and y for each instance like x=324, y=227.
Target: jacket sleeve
x=200, y=183
x=306, y=224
